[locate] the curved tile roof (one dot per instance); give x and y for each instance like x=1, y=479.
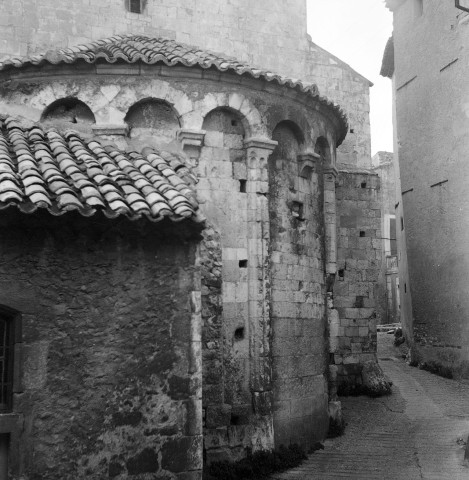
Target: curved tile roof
x=134, y=48
x=138, y=48
x=42, y=168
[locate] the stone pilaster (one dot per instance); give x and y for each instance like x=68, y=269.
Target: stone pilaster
x=330, y=219
x=258, y=152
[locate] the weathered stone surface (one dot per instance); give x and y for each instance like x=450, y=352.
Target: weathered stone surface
x=375, y=382
x=96, y=394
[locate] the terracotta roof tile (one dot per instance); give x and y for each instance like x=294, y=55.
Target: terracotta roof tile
x=138, y=48
x=42, y=168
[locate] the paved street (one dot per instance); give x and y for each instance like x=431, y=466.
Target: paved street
x=412, y=434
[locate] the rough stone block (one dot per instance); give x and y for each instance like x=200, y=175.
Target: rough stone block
x=218, y=416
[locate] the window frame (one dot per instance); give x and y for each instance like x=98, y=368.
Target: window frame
x=14, y=356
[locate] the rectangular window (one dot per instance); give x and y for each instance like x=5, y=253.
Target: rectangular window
x=418, y=8
x=6, y=363
x=135, y=6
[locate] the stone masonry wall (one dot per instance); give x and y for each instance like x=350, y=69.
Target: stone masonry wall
x=226, y=132
x=353, y=332
x=111, y=379
x=239, y=27
x=298, y=310
x=339, y=82
x=233, y=421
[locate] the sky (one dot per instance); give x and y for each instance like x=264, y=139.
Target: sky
x=356, y=31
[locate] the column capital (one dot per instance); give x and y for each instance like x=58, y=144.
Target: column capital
x=261, y=143
x=331, y=170
x=307, y=163
x=191, y=137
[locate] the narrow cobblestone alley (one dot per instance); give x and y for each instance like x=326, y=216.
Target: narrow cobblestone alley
x=412, y=434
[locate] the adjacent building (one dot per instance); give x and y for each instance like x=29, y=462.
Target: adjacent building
x=427, y=60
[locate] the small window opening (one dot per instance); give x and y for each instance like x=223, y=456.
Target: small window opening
x=352, y=130
x=363, y=185
x=418, y=8
x=234, y=123
x=362, y=233
x=405, y=287
x=341, y=274
x=359, y=302
x=235, y=420
x=243, y=264
x=239, y=333
x=6, y=363
x=242, y=186
x=135, y=6
x=298, y=210
x=402, y=223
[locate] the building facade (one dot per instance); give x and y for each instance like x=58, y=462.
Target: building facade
x=264, y=288
x=388, y=306
x=431, y=122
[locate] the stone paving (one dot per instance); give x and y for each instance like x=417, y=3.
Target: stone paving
x=412, y=434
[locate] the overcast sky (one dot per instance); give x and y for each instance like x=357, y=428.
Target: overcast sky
x=356, y=31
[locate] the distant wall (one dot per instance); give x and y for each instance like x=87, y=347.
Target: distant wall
x=339, y=82
x=358, y=263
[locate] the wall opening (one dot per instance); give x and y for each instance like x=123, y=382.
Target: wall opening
x=297, y=210
x=243, y=264
x=153, y=117
x=362, y=233
x=230, y=124
x=363, y=185
x=290, y=138
x=242, y=186
x=418, y=8
x=323, y=149
x=239, y=334
x=69, y=110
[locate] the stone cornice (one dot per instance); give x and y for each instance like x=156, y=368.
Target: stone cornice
x=261, y=143
x=307, y=163
x=191, y=137
x=110, y=129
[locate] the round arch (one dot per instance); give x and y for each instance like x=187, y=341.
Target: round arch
x=68, y=109
x=234, y=102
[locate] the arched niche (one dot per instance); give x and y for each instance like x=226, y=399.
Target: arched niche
x=70, y=110
x=152, y=116
x=225, y=128
x=290, y=140
x=323, y=149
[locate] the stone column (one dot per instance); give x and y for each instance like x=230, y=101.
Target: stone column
x=330, y=219
x=258, y=152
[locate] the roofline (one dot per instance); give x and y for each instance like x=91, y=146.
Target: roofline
x=370, y=83
x=393, y=4
x=310, y=91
